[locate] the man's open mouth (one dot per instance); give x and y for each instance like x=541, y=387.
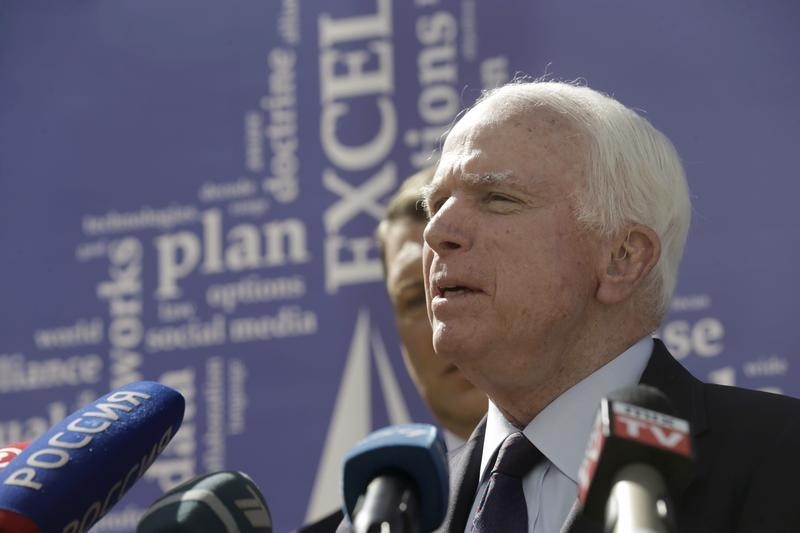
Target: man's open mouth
x=456, y=290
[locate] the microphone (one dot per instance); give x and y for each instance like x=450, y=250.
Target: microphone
x=639, y=454
x=10, y=452
x=12, y=521
x=222, y=501
x=397, y=477
x=69, y=477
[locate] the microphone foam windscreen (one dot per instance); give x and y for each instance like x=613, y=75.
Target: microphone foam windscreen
x=416, y=451
x=69, y=477
x=218, y=502
x=633, y=425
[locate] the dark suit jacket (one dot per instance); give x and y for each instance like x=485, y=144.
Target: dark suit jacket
x=747, y=449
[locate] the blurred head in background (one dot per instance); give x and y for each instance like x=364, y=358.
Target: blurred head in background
x=456, y=404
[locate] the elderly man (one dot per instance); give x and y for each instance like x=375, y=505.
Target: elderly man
x=557, y=222
x=455, y=403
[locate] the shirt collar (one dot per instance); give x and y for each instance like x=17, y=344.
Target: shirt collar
x=451, y=440
x=561, y=430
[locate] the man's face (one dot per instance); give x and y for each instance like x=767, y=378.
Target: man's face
x=455, y=402
x=510, y=275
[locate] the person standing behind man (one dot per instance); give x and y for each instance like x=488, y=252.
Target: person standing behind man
x=455, y=403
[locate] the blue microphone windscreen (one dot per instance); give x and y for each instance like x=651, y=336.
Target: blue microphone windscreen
x=68, y=478
x=416, y=451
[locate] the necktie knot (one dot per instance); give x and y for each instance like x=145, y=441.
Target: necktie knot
x=517, y=456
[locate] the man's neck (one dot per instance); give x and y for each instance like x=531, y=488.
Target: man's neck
x=520, y=404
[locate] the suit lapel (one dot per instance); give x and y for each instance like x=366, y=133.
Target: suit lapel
x=686, y=391
x=465, y=464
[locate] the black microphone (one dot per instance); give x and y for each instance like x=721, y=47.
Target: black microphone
x=219, y=502
x=638, y=456
x=397, y=480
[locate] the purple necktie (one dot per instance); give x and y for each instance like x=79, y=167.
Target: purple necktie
x=503, y=508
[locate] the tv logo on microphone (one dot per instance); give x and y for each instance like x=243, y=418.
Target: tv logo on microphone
x=651, y=428
x=625, y=430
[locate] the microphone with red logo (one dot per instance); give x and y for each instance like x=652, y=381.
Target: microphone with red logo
x=10, y=452
x=69, y=477
x=10, y=521
x=638, y=456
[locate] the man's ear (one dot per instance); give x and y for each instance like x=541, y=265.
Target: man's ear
x=630, y=256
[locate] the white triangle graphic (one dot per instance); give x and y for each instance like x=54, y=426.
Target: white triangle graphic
x=352, y=414
x=350, y=423
x=392, y=395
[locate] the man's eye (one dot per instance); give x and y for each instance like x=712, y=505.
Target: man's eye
x=500, y=202
x=497, y=197
x=435, y=204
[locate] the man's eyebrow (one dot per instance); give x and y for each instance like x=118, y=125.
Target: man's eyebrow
x=473, y=179
x=489, y=178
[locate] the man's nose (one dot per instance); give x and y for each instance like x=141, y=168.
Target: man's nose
x=450, y=229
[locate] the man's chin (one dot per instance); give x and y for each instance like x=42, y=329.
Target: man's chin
x=455, y=348
x=451, y=382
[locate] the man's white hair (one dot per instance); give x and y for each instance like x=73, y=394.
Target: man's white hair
x=634, y=174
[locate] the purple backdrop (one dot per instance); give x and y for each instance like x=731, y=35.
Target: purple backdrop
x=190, y=190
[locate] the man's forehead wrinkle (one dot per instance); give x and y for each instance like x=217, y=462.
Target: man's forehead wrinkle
x=468, y=169
x=453, y=164
x=478, y=135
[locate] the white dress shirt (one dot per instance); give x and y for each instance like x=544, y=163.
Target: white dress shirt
x=560, y=431
x=451, y=440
